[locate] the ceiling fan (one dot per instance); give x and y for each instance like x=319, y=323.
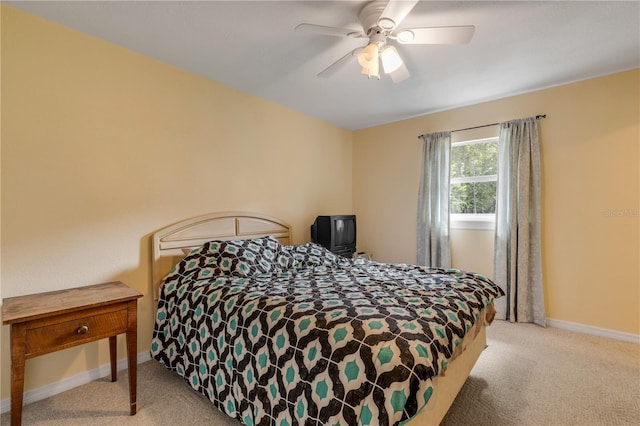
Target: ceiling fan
x=380, y=22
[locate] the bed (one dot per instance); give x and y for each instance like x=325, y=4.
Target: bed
x=275, y=333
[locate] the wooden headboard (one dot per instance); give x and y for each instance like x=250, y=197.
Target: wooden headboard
x=167, y=244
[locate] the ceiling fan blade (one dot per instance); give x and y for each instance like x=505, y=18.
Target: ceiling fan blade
x=436, y=35
x=332, y=31
x=401, y=74
x=337, y=65
x=394, y=13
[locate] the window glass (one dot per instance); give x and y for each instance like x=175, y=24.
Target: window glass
x=474, y=170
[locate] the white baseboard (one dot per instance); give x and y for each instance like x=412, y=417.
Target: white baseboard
x=70, y=382
x=594, y=331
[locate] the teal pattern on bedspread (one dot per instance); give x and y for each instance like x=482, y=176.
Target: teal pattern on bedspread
x=356, y=342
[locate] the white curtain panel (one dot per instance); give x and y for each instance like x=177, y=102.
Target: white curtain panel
x=433, y=202
x=518, y=260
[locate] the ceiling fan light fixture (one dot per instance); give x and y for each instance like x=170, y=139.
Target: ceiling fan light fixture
x=369, y=56
x=391, y=60
x=373, y=71
x=369, y=75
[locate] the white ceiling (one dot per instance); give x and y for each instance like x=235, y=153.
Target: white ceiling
x=518, y=46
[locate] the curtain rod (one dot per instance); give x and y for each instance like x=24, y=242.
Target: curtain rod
x=538, y=117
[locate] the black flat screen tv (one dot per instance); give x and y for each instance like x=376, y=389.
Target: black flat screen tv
x=336, y=233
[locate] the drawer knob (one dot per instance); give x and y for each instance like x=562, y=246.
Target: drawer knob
x=83, y=329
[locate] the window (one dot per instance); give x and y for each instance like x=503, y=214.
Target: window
x=474, y=175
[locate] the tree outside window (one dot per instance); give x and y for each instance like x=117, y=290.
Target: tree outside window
x=474, y=174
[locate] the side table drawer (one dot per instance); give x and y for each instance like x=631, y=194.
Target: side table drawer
x=64, y=334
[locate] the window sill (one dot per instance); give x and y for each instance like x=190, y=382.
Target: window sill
x=473, y=221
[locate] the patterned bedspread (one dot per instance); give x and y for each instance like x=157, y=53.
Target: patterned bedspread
x=299, y=336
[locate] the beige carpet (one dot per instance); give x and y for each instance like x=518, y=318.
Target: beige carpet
x=527, y=376
x=530, y=375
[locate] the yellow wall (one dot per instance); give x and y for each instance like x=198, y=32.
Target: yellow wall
x=590, y=195
x=102, y=146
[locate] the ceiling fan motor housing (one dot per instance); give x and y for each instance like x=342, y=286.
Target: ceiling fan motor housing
x=369, y=16
x=377, y=36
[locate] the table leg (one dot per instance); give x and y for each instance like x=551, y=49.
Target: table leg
x=132, y=352
x=113, y=357
x=18, y=343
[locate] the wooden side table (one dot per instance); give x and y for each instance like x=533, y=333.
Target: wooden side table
x=47, y=322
